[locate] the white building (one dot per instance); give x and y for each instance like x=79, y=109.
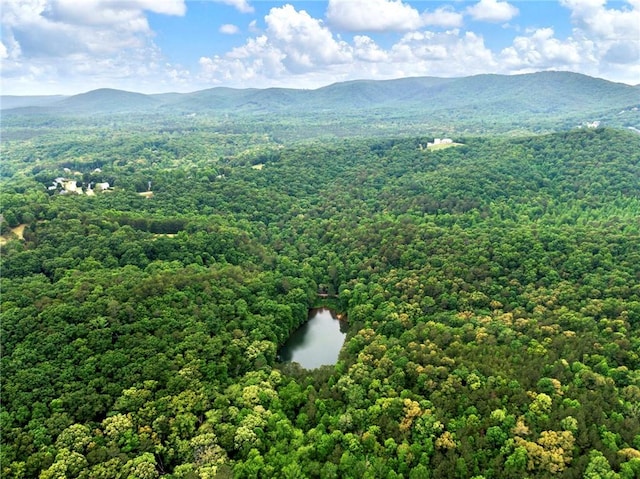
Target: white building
x=440, y=141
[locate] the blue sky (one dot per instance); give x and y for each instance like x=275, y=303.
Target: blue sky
x=71, y=46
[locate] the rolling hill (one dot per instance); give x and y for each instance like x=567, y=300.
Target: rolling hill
x=542, y=100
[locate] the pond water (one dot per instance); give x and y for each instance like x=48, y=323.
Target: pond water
x=317, y=342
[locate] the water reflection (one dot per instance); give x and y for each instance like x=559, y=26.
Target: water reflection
x=317, y=342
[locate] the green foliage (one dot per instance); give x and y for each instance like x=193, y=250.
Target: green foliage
x=491, y=294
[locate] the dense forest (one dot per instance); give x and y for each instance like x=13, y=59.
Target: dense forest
x=495, y=104
x=492, y=290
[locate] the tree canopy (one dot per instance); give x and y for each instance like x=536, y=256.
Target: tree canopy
x=492, y=292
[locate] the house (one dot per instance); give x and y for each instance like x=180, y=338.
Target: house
x=72, y=186
x=102, y=186
x=65, y=186
x=440, y=141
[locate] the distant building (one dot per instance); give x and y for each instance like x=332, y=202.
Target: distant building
x=71, y=186
x=440, y=141
x=66, y=186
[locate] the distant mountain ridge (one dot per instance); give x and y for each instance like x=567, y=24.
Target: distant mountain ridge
x=107, y=99
x=8, y=102
x=526, y=98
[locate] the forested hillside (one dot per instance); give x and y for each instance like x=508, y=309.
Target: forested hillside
x=483, y=104
x=492, y=291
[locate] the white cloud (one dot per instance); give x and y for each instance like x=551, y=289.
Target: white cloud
x=108, y=12
x=494, y=11
x=443, y=53
x=367, y=50
x=298, y=50
x=294, y=44
x=244, y=66
x=295, y=50
x=240, y=5
x=605, y=42
x=229, y=29
x=609, y=27
x=66, y=46
x=443, y=17
x=303, y=39
x=372, y=15
x=542, y=51
x=611, y=35
x=64, y=27
x=70, y=43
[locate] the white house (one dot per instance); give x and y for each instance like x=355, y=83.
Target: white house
x=440, y=141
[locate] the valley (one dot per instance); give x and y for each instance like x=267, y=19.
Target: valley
x=490, y=284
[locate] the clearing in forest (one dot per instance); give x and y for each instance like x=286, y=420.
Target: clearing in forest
x=18, y=232
x=442, y=146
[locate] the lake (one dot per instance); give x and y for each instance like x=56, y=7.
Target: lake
x=317, y=342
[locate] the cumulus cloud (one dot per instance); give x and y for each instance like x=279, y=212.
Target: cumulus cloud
x=365, y=49
x=229, y=29
x=63, y=27
x=97, y=43
x=95, y=40
x=109, y=12
x=304, y=40
x=611, y=35
x=294, y=43
x=372, y=15
x=298, y=49
x=240, y=5
x=542, y=51
x=593, y=17
x=494, y=11
x=443, y=53
x=604, y=42
x=442, y=17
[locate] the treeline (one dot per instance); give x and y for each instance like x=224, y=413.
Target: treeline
x=492, y=292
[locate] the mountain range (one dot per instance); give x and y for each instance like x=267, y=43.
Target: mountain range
x=528, y=98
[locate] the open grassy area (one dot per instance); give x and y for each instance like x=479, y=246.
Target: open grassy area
x=443, y=146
